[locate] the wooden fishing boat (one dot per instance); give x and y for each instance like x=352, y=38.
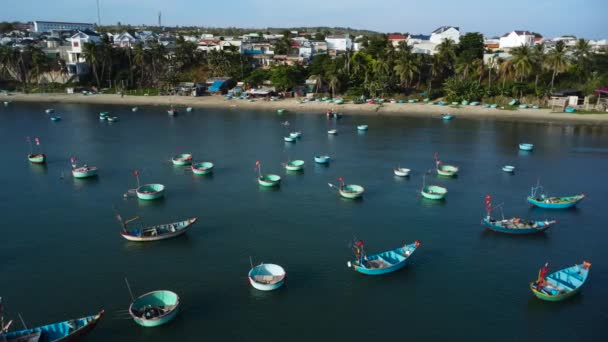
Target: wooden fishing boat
x=150, y=191
x=362, y=128
x=56, y=118
x=36, y=158
x=297, y=134
x=182, y=159
x=294, y=165
x=322, y=159
x=508, y=168
x=381, y=263
x=401, y=172
x=539, y=199
x=332, y=132
x=49, y=110
x=434, y=192
x=351, y=191
x=447, y=170
x=562, y=284
x=134, y=109
x=516, y=225
x=267, y=277
x=84, y=171
x=155, y=233
x=70, y=330
x=289, y=139
x=526, y=147
x=447, y=117
x=202, y=168
x=269, y=180
x=154, y=308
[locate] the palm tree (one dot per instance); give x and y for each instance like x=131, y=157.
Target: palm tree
x=582, y=56
x=505, y=70
x=557, y=61
x=523, y=61
x=538, y=61
x=334, y=83
x=447, y=54
x=405, y=67
x=92, y=56
x=318, y=82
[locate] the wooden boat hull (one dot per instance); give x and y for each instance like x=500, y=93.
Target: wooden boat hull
x=150, y=191
x=322, y=159
x=37, y=158
x=269, y=180
x=541, y=227
x=395, y=260
x=434, y=192
x=155, y=298
x=182, y=227
x=447, y=170
x=57, y=332
x=81, y=173
x=182, y=159
x=202, y=168
x=351, y=191
x=570, y=280
x=271, y=270
x=571, y=201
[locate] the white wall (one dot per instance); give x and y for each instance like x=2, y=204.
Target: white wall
x=515, y=40
x=340, y=44
x=450, y=33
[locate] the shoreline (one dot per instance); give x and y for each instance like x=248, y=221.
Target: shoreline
x=421, y=110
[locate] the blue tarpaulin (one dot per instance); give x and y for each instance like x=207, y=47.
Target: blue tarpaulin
x=215, y=87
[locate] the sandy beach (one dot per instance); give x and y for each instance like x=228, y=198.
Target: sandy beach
x=388, y=109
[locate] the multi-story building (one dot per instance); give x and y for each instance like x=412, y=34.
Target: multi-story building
x=48, y=26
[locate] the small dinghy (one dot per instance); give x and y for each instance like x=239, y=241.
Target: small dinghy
x=331, y=114
x=434, y=192
x=280, y=111
x=71, y=330
x=202, y=168
x=447, y=117
x=84, y=171
x=103, y=115
x=526, y=147
x=154, y=308
x=562, y=284
x=322, y=159
x=267, y=180
x=295, y=134
x=172, y=112
x=289, y=138
x=49, y=110
x=6, y=103
x=513, y=225
x=445, y=169
x=362, y=128
x=350, y=191
x=150, y=191
x=266, y=277
x=539, y=199
x=508, y=168
x=381, y=263
x=134, y=109
x=112, y=118
x=401, y=172
x=155, y=233
x=189, y=109
x=332, y=132
x=294, y=165
x=37, y=158
x=182, y=159
x=56, y=118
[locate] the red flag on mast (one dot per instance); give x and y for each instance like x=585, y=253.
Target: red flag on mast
x=37, y=141
x=136, y=173
x=257, y=163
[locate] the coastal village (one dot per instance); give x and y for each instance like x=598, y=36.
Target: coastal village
x=71, y=66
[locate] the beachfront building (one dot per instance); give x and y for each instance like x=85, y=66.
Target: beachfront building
x=231, y=45
x=445, y=32
x=50, y=26
x=318, y=47
x=77, y=64
x=515, y=39
x=568, y=40
x=492, y=43
x=125, y=40
x=208, y=44
x=339, y=43
x=396, y=39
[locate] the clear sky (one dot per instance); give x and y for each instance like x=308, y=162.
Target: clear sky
x=583, y=18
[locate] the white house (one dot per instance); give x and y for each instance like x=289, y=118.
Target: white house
x=125, y=40
x=76, y=62
x=318, y=47
x=339, y=43
x=209, y=44
x=232, y=44
x=568, y=40
x=445, y=32
x=515, y=39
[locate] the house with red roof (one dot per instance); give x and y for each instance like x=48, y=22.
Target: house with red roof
x=396, y=39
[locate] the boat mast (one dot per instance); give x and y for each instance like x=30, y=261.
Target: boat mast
x=129, y=288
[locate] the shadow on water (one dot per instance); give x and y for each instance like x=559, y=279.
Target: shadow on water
x=432, y=203
x=552, y=212
x=198, y=178
x=181, y=241
x=40, y=169
x=155, y=203
x=269, y=188
x=489, y=234
x=80, y=182
x=538, y=306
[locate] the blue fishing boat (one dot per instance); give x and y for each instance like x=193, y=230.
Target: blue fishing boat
x=362, y=127
x=266, y=277
x=562, y=284
x=447, y=117
x=570, y=110
x=381, y=263
x=56, y=118
x=70, y=330
x=322, y=159
x=539, y=199
x=526, y=147
x=508, y=168
x=513, y=225
x=154, y=308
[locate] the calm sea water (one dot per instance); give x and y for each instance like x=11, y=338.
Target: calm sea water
x=61, y=254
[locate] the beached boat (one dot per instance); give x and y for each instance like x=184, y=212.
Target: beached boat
x=289, y=138
x=37, y=158
x=513, y=102
x=570, y=110
x=447, y=117
x=269, y=180
x=56, y=118
x=70, y=330
x=49, y=110
x=294, y=165
x=182, y=159
x=401, y=172
x=539, y=199
x=562, y=284
x=84, y=171
x=150, y=191
x=508, y=168
x=155, y=233
x=362, y=128
x=381, y=263
x=322, y=159
x=494, y=105
x=434, y=192
x=154, y=308
x=474, y=103
x=523, y=106
x=266, y=277
x=332, y=132
x=134, y=109
x=526, y=147
x=202, y=168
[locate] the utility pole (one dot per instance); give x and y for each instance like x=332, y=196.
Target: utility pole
x=159, y=19
x=98, y=15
